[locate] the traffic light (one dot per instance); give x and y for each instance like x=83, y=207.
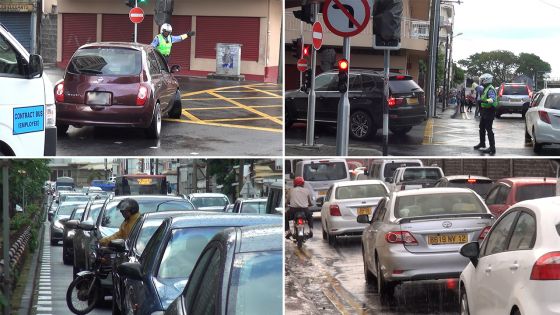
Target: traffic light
x=130, y=3
x=305, y=14
x=296, y=47
x=142, y=1
x=343, y=75
x=307, y=77
x=387, y=15
x=306, y=50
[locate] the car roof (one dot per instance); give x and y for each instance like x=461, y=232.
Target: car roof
x=254, y=200
x=433, y=190
x=359, y=182
x=528, y=180
x=147, y=197
x=167, y=214
x=207, y=195
x=199, y=218
x=255, y=238
x=454, y=177
x=129, y=45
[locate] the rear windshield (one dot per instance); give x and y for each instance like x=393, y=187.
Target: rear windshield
x=536, y=191
x=390, y=168
x=515, y=90
x=106, y=61
x=253, y=207
x=481, y=186
x=112, y=218
x=421, y=173
x=325, y=171
x=209, y=202
x=552, y=101
x=361, y=191
x=430, y=204
x=403, y=86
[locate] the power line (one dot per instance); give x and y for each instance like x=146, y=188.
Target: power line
x=550, y=5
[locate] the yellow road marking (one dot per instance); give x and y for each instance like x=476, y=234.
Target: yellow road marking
x=232, y=107
x=189, y=115
x=236, y=119
x=250, y=109
x=231, y=98
x=201, y=122
x=216, y=89
x=262, y=91
x=333, y=298
x=429, y=132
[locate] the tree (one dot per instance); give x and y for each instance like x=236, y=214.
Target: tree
x=532, y=65
x=223, y=170
x=502, y=64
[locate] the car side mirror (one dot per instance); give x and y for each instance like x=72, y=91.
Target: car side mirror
x=72, y=224
x=130, y=270
x=175, y=68
x=320, y=201
x=471, y=251
x=279, y=210
x=86, y=226
x=118, y=245
x=363, y=218
x=35, y=66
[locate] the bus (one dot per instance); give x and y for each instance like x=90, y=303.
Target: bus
x=140, y=184
x=64, y=181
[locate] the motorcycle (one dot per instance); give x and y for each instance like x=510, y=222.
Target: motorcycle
x=85, y=291
x=300, y=224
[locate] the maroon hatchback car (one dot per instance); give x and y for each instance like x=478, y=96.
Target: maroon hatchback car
x=117, y=85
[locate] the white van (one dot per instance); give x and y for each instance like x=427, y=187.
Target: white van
x=384, y=169
x=27, y=110
x=319, y=175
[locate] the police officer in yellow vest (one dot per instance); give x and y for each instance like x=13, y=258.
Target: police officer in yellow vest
x=164, y=40
x=488, y=103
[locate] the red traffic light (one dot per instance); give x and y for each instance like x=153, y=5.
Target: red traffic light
x=343, y=64
x=306, y=50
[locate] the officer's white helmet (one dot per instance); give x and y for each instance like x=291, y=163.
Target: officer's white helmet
x=166, y=27
x=486, y=78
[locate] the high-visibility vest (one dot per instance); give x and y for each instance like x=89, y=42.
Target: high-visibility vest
x=484, y=97
x=164, y=47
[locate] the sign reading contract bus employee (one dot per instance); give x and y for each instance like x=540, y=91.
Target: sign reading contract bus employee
x=346, y=18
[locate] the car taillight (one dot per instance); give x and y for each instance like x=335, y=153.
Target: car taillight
x=142, y=96
x=335, y=211
x=547, y=267
x=543, y=115
x=400, y=237
x=395, y=101
x=59, y=92
x=483, y=233
x=530, y=93
x=471, y=181
x=300, y=221
x=501, y=92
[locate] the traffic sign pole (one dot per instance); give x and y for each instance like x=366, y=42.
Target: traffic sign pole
x=310, y=132
x=136, y=24
x=343, y=119
x=386, y=56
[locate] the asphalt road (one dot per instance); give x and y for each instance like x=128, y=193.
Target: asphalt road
x=220, y=118
x=54, y=279
x=325, y=279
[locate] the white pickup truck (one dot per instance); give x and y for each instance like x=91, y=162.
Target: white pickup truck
x=415, y=177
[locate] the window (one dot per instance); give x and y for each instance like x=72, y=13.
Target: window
x=361, y=191
x=552, y=101
x=502, y=195
x=491, y=198
x=379, y=211
x=515, y=90
x=536, y=99
x=372, y=83
x=536, y=191
x=326, y=82
x=325, y=171
x=147, y=231
x=205, y=301
x=432, y=205
x=355, y=83
x=11, y=63
x=162, y=63
x=497, y=240
x=329, y=193
x=524, y=234
x=153, y=64
x=106, y=61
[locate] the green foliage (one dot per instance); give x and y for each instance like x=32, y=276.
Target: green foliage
x=19, y=220
x=440, y=70
x=28, y=173
x=458, y=75
x=3, y=299
x=223, y=170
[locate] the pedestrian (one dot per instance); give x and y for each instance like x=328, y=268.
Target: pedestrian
x=488, y=103
x=470, y=100
x=164, y=40
x=478, y=90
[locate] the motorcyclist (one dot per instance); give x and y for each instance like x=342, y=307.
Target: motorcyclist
x=131, y=212
x=298, y=199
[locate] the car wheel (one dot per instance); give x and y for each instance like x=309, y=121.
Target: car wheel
x=331, y=239
x=527, y=135
x=537, y=147
x=516, y=311
x=61, y=129
x=385, y=288
x=401, y=131
x=154, y=131
x=177, y=107
x=370, y=279
x=464, y=303
x=115, y=309
x=325, y=236
x=65, y=257
x=361, y=125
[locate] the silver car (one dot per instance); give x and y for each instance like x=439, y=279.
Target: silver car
x=542, y=121
x=344, y=201
x=513, y=98
x=417, y=235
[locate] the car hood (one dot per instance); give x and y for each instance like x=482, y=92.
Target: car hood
x=169, y=289
x=106, y=231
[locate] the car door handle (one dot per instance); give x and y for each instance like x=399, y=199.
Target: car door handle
x=514, y=267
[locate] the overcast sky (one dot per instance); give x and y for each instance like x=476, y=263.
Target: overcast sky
x=530, y=26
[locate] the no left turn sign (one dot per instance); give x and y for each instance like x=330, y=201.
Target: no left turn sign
x=346, y=17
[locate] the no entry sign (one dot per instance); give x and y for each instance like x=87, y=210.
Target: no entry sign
x=136, y=15
x=302, y=64
x=317, y=35
x=346, y=17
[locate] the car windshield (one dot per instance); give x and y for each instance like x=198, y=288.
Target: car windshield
x=552, y=101
x=432, y=204
x=94, y=212
x=535, y=191
x=360, y=191
x=421, y=173
x=74, y=198
x=253, y=207
x=112, y=218
x=77, y=214
x=64, y=211
x=64, y=188
x=183, y=249
x=390, y=168
x=148, y=229
x=404, y=86
x=106, y=61
x=256, y=283
x=201, y=202
x=480, y=186
x=324, y=171
x=515, y=90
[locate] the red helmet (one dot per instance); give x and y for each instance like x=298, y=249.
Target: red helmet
x=298, y=181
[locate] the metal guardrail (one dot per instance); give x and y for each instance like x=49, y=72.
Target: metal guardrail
x=16, y=254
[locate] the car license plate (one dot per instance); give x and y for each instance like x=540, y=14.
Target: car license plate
x=442, y=239
x=322, y=192
x=412, y=101
x=98, y=98
x=364, y=210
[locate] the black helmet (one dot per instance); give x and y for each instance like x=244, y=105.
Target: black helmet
x=128, y=204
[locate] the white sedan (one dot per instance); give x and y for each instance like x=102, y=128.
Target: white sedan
x=542, y=120
x=516, y=270
x=344, y=201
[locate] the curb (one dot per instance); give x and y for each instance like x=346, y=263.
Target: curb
x=31, y=285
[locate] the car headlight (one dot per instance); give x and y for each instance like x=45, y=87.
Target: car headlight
x=50, y=115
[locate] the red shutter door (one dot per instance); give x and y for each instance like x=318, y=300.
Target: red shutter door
x=181, y=52
x=211, y=30
x=118, y=28
x=77, y=29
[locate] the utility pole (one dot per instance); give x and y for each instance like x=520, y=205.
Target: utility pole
x=195, y=176
x=6, y=234
x=432, y=62
x=240, y=177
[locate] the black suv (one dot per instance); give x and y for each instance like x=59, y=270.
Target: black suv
x=406, y=102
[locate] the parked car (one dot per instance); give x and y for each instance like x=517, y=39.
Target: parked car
x=480, y=184
x=169, y=257
x=344, y=201
x=406, y=102
x=415, y=177
x=275, y=199
x=513, y=98
x=384, y=169
x=64, y=210
x=117, y=85
x=257, y=205
x=417, y=234
x=241, y=279
x=209, y=201
x=542, y=120
x=509, y=191
x=68, y=234
x=516, y=269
